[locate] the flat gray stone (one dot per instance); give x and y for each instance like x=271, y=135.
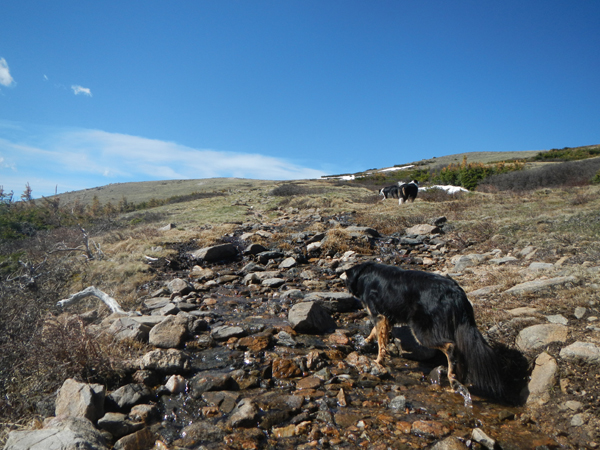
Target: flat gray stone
x=557, y=318
x=585, y=351
x=539, y=285
x=538, y=336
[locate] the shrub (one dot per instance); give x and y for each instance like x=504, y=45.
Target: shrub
x=573, y=173
x=568, y=154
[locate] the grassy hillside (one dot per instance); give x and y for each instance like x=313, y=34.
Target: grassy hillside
x=138, y=192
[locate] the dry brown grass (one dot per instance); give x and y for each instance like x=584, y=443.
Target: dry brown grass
x=339, y=240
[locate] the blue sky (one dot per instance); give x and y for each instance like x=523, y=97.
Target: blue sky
x=99, y=92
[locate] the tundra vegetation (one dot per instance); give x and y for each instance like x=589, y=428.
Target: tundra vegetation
x=53, y=247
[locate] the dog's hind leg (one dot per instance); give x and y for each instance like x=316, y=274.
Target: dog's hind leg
x=383, y=327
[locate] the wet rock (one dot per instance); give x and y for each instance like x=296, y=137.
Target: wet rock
x=216, y=252
x=211, y=381
x=118, y=425
x=64, y=433
x=584, y=351
x=285, y=339
x=309, y=317
x=224, y=332
x=347, y=419
x=361, y=362
x=341, y=398
x=450, y=443
x=542, y=379
x=224, y=400
x=308, y=383
x=83, y=400
x=143, y=413
x=127, y=396
x=429, y=428
x=140, y=440
x=168, y=361
x=197, y=432
x=540, y=285
x=245, y=414
x=285, y=368
x=285, y=432
x=176, y=384
x=256, y=343
x=538, y=336
x=398, y=403
x=479, y=436
x=170, y=333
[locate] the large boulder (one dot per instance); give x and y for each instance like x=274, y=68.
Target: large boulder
x=65, y=433
x=77, y=399
x=168, y=361
x=170, y=333
x=216, y=252
x=310, y=317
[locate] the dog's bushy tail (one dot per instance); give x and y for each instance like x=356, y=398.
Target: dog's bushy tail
x=483, y=366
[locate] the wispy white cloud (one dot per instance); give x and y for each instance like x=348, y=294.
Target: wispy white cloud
x=80, y=159
x=5, y=78
x=81, y=90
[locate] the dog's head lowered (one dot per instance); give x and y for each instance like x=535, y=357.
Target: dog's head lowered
x=353, y=276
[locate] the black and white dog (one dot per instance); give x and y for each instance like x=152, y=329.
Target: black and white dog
x=390, y=192
x=408, y=191
x=439, y=315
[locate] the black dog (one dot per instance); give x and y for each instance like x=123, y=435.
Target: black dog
x=389, y=192
x=439, y=314
x=408, y=192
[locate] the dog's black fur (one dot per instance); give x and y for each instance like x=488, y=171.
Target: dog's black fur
x=390, y=192
x=408, y=191
x=439, y=314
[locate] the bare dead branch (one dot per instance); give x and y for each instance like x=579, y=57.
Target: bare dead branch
x=112, y=304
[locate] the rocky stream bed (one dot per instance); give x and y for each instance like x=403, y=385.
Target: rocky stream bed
x=261, y=347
